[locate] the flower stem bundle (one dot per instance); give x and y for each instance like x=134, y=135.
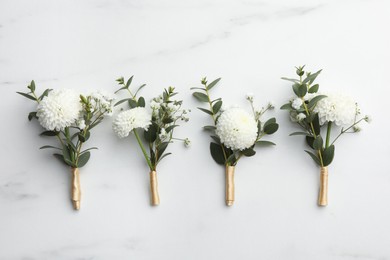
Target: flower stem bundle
x=154, y=130
x=234, y=132
x=313, y=112
x=69, y=117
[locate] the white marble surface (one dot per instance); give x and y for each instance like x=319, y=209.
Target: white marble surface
x=250, y=44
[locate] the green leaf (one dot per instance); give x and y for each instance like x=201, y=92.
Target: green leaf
x=32, y=86
x=92, y=148
x=84, y=138
x=217, y=106
x=170, y=128
x=328, y=155
x=141, y=102
x=27, y=96
x=270, y=121
x=165, y=155
x=206, y=111
x=83, y=159
x=314, y=101
x=314, y=88
x=264, y=143
x=151, y=134
x=198, y=89
x=216, y=139
x=49, y=133
x=161, y=148
x=167, y=120
x=217, y=153
x=299, y=133
x=49, y=146
x=66, y=156
x=128, y=83
x=139, y=88
x=212, y=84
x=32, y=115
x=152, y=156
x=201, y=96
x=311, y=77
x=286, y=106
x=310, y=141
x=318, y=143
x=314, y=157
x=209, y=128
x=132, y=103
x=60, y=157
x=248, y=152
x=292, y=80
x=122, y=101
x=271, y=128
x=316, y=124
x=44, y=94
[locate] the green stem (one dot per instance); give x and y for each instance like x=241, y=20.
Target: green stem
x=143, y=150
x=328, y=134
x=344, y=131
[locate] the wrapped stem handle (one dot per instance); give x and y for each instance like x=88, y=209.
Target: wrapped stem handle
x=323, y=195
x=155, y=198
x=229, y=176
x=76, y=188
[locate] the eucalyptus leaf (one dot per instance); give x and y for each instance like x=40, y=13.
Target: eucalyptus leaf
x=170, y=128
x=139, y=88
x=205, y=110
x=209, y=128
x=32, y=86
x=161, y=148
x=299, y=133
x=49, y=146
x=141, y=102
x=128, y=83
x=264, y=143
x=311, y=77
x=201, y=96
x=328, y=155
x=216, y=139
x=314, y=101
x=132, y=103
x=248, y=152
x=292, y=80
x=32, y=115
x=48, y=133
x=165, y=155
x=217, y=153
x=314, y=157
x=318, y=143
x=212, y=84
x=217, y=106
x=314, y=89
x=26, y=96
x=122, y=101
x=83, y=159
x=286, y=106
x=271, y=128
x=150, y=135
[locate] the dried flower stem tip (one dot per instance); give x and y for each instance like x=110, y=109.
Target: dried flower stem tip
x=229, y=185
x=155, y=198
x=323, y=195
x=76, y=188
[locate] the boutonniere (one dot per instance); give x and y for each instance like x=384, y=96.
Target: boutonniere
x=321, y=116
x=153, y=128
x=234, y=131
x=69, y=117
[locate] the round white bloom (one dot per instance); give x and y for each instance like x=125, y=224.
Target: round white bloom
x=336, y=108
x=187, y=142
x=297, y=103
x=237, y=129
x=301, y=116
x=128, y=120
x=60, y=109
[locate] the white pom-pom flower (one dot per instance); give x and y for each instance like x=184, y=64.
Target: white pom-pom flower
x=60, y=109
x=237, y=129
x=336, y=108
x=128, y=120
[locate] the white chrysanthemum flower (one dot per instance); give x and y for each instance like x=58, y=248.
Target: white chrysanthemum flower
x=297, y=103
x=336, y=108
x=301, y=116
x=128, y=120
x=60, y=109
x=237, y=129
x=187, y=142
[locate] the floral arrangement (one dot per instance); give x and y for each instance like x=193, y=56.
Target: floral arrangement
x=234, y=132
x=312, y=111
x=69, y=117
x=157, y=126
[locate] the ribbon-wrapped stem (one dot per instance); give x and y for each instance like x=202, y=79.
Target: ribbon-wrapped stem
x=323, y=195
x=76, y=188
x=229, y=185
x=155, y=199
